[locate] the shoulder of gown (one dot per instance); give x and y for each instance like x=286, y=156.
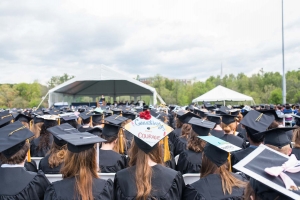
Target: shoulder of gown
x=167, y=184
x=189, y=162
x=35, y=189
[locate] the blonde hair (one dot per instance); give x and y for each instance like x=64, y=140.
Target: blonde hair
x=296, y=137
x=285, y=149
x=230, y=127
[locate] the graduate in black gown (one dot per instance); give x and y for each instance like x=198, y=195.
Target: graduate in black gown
x=53, y=161
x=216, y=181
x=80, y=178
x=180, y=142
x=40, y=146
x=217, y=131
x=178, y=125
x=110, y=161
x=190, y=160
x=147, y=178
x=86, y=122
x=254, y=125
x=229, y=127
x=16, y=182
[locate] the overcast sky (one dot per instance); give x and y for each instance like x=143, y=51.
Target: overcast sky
x=177, y=39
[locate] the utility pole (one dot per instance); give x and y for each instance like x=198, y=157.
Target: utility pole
x=283, y=70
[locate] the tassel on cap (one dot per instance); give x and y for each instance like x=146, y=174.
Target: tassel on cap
x=121, y=144
x=28, y=153
x=229, y=161
x=167, y=155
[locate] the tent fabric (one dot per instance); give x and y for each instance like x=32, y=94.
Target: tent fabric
x=221, y=93
x=103, y=80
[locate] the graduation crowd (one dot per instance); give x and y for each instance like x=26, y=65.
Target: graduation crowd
x=148, y=164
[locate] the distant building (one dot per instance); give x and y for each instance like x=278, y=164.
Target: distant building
x=149, y=80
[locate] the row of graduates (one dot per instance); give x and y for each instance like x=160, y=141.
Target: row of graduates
x=194, y=159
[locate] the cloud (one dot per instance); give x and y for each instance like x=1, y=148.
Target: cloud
x=177, y=39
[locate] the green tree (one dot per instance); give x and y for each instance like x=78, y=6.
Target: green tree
x=57, y=80
x=276, y=96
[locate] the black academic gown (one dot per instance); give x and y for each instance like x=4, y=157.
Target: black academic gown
x=237, y=141
x=189, y=162
x=179, y=145
x=240, y=155
x=210, y=188
x=242, y=132
x=296, y=151
x=111, y=162
x=166, y=184
x=17, y=183
x=65, y=189
x=174, y=134
x=35, y=152
x=82, y=129
x=217, y=133
x=44, y=166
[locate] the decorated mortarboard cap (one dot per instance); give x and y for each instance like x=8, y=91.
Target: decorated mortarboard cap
x=266, y=166
x=256, y=123
x=5, y=117
x=148, y=132
x=214, y=118
x=201, y=127
x=96, y=131
x=116, y=119
x=185, y=118
x=50, y=120
x=228, y=119
x=79, y=142
x=57, y=131
x=217, y=150
x=277, y=136
x=13, y=137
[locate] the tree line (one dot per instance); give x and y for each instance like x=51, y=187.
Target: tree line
x=263, y=87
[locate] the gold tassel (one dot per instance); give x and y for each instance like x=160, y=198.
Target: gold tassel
x=58, y=121
x=229, y=161
x=121, y=145
x=30, y=124
x=167, y=155
x=28, y=153
x=91, y=121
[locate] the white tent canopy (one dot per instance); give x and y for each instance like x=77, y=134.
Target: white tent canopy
x=102, y=81
x=221, y=93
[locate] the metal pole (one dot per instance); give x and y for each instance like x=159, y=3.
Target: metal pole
x=283, y=70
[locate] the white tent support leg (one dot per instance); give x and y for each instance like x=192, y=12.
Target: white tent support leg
x=43, y=100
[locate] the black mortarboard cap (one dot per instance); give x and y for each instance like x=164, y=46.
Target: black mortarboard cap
x=50, y=120
x=214, y=118
x=23, y=118
x=5, y=117
x=117, y=111
x=96, y=131
x=85, y=115
x=256, y=123
x=180, y=112
x=154, y=112
x=79, y=142
x=129, y=115
x=209, y=106
x=185, y=118
x=201, y=127
x=228, y=119
x=13, y=137
x=116, y=119
x=278, y=116
x=224, y=110
x=97, y=118
x=277, y=136
x=59, y=130
x=69, y=117
x=110, y=130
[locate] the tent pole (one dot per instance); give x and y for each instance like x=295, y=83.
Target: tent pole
x=224, y=102
x=43, y=100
